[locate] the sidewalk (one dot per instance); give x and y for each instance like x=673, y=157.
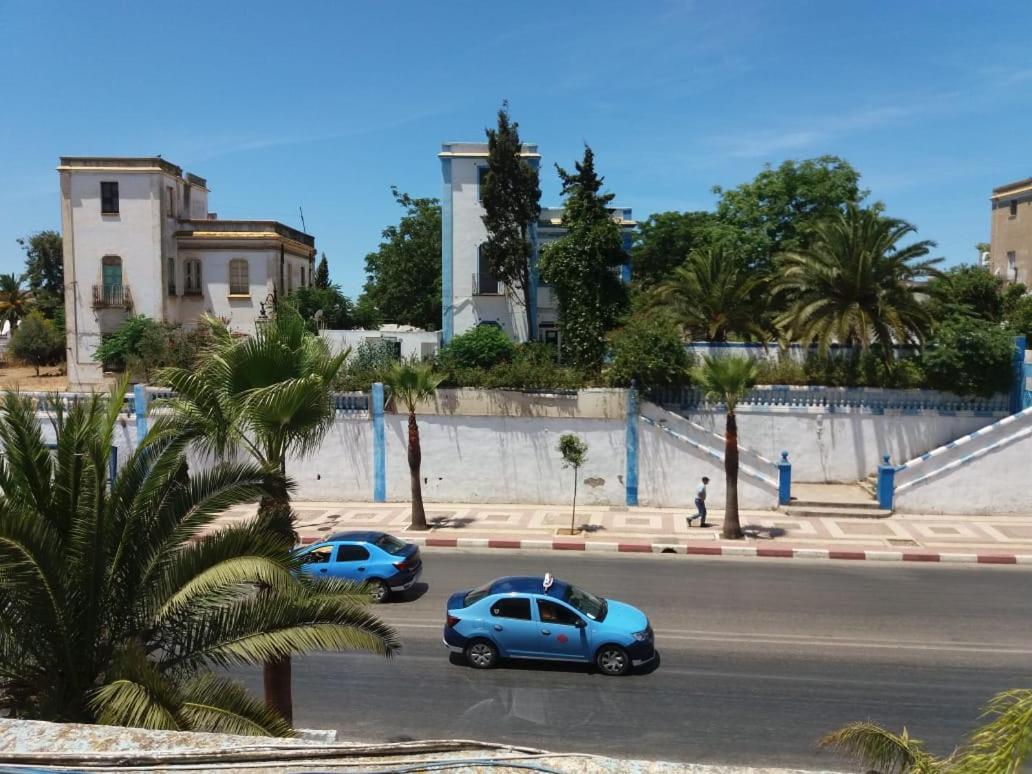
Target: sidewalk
x=981, y=539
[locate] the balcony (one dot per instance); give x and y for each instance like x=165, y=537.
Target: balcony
x=106, y=296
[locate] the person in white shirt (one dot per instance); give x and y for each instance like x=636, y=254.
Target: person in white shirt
x=700, y=504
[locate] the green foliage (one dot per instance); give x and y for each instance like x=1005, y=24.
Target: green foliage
x=322, y=274
x=480, y=347
x=967, y=356
x=581, y=266
x=969, y=290
x=411, y=383
x=15, y=301
x=532, y=367
x=649, y=351
x=337, y=309
x=403, y=277
x=44, y=270
x=511, y=194
x=37, y=341
x=574, y=450
x=1018, y=309
x=664, y=241
x=726, y=378
x=369, y=362
x=120, y=603
x=141, y=345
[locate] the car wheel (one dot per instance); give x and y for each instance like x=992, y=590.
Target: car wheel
x=612, y=660
x=481, y=654
x=378, y=590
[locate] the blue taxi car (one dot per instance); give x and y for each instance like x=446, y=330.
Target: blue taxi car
x=546, y=618
x=381, y=561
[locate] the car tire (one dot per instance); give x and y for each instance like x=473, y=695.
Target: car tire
x=379, y=591
x=612, y=660
x=481, y=654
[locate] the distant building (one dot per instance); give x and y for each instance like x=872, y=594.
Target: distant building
x=472, y=295
x=139, y=239
x=1010, y=252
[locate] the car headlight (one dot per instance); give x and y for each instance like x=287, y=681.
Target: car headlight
x=644, y=635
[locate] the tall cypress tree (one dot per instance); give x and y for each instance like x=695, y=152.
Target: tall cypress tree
x=511, y=195
x=582, y=266
x=322, y=273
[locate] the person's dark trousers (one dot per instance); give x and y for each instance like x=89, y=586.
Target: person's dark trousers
x=700, y=508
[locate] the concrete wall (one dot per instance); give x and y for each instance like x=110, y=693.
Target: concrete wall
x=414, y=344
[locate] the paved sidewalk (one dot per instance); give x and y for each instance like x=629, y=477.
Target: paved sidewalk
x=988, y=540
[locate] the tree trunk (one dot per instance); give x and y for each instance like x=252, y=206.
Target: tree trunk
x=573, y=516
x=276, y=676
x=732, y=527
x=415, y=458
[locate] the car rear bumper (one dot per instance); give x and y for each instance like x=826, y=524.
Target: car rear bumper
x=404, y=581
x=454, y=641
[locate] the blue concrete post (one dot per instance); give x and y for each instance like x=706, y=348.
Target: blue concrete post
x=1017, y=392
x=886, y=483
x=379, y=447
x=140, y=405
x=784, y=480
x=631, y=479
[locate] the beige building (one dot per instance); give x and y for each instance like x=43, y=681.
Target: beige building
x=1010, y=254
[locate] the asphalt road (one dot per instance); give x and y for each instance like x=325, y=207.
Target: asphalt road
x=758, y=658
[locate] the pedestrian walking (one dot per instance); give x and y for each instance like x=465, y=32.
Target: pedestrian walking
x=700, y=504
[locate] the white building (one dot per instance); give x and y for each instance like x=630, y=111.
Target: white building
x=139, y=240
x=471, y=294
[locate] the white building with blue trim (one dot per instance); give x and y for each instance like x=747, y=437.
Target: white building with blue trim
x=471, y=294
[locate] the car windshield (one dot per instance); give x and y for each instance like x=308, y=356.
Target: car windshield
x=477, y=594
x=390, y=544
x=586, y=602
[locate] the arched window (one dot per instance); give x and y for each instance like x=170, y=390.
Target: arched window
x=239, y=278
x=192, y=277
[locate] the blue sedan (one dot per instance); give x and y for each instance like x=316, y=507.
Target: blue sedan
x=545, y=618
x=382, y=562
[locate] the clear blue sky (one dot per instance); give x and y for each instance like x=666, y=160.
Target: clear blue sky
x=328, y=104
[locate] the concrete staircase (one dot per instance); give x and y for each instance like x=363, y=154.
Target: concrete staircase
x=835, y=500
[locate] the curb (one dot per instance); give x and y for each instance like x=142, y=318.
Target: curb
x=517, y=544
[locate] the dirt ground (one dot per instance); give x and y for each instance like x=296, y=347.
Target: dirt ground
x=50, y=379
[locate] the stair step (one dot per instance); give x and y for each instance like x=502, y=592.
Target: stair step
x=870, y=504
x=840, y=511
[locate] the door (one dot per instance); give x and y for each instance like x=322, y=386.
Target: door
x=562, y=633
x=351, y=562
x=511, y=626
x=111, y=277
x=317, y=561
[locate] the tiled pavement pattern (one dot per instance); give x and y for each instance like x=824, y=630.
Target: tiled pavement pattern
x=653, y=529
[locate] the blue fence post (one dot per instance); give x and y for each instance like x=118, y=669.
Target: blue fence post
x=1017, y=393
x=631, y=479
x=784, y=480
x=140, y=406
x=379, y=447
x=886, y=483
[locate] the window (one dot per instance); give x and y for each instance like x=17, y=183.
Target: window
x=239, y=278
x=481, y=175
x=550, y=612
x=512, y=607
x=302, y=276
x=390, y=544
x=290, y=278
x=171, y=275
x=186, y=201
x=111, y=272
x=192, y=276
x=320, y=555
x=171, y=201
x=486, y=282
x=109, y=198
x=351, y=554
x=1012, y=264
x=1014, y=208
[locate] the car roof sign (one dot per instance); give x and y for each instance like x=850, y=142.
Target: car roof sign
x=549, y=580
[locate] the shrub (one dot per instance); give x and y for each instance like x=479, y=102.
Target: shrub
x=785, y=370
x=1019, y=315
x=141, y=345
x=969, y=357
x=369, y=362
x=648, y=349
x=533, y=366
x=37, y=341
x=481, y=347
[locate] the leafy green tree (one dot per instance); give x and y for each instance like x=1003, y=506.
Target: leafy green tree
x=44, y=269
x=715, y=296
x=969, y=356
x=337, y=311
x=511, y=194
x=1018, y=315
x=773, y=212
x=37, y=341
x=664, y=241
x=120, y=607
x=968, y=290
x=854, y=284
x=727, y=379
x=582, y=265
x=269, y=396
x=480, y=347
x=403, y=277
x=574, y=452
x=649, y=351
x=1002, y=745
x=410, y=384
x=322, y=274
x=15, y=301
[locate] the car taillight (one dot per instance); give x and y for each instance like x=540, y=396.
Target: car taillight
x=401, y=565
x=452, y=620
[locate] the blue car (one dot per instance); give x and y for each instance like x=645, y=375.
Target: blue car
x=381, y=561
x=545, y=618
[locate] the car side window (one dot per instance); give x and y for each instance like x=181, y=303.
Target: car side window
x=512, y=607
x=550, y=612
x=351, y=554
x=319, y=555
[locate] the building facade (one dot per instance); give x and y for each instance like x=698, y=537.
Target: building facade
x=472, y=295
x=1010, y=251
x=139, y=240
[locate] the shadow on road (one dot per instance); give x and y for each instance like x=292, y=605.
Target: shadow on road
x=569, y=667
x=414, y=593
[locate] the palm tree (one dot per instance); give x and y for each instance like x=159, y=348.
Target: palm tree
x=1001, y=746
x=727, y=379
x=411, y=383
x=116, y=605
x=855, y=285
x=15, y=301
x=269, y=395
x=713, y=295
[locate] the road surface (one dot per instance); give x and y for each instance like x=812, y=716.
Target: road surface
x=758, y=659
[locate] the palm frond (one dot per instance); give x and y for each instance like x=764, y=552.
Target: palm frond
x=220, y=706
x=874, y=747
x=1004, y=744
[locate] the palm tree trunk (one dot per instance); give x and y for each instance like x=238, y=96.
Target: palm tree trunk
x=276, y=517
x=415, y=458
x=732, y=528
x=279, y=694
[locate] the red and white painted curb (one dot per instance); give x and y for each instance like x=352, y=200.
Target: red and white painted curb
x=529, y=544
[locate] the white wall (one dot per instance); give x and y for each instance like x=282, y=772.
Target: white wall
x=412, y=342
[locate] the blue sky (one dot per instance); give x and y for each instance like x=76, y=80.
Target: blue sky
x=326, y=105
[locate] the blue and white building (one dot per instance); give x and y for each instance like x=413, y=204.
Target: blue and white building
x=472, y=295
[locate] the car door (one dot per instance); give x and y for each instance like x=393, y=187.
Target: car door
x=351, y=562
x=511, y=625
x=562, y=633
x=317, y=561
